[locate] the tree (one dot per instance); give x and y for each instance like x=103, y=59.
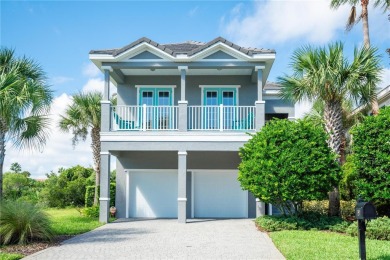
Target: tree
x=68, y=187
x=325, y=74
x=287, y=162
x=371, y=159
x=24, y=104
x=81, y=117
x=15, y=167
x=364, y=17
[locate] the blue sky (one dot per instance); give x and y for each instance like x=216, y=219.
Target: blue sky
x=60, y=34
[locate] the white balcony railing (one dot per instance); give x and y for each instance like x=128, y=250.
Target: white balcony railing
x=144, y=118
x=205, y=118
x=221, y=118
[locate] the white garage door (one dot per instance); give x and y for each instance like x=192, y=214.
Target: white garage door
x=217, y=194
x=153, y=194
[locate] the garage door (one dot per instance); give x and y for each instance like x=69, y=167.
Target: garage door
x=153, y=194
x=217, y=194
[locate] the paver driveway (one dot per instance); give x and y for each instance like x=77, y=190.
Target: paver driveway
x=167, y=239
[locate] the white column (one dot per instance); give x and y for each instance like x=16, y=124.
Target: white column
x=104, y=198
x=183, y=103
x=182, y=187
x=105, y=103
x=183, y=71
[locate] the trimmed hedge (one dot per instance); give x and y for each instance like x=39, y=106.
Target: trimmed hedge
x=306, y=221
x=90, y=192
x=376, y=229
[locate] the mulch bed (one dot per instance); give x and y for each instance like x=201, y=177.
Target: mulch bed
x=34, y=246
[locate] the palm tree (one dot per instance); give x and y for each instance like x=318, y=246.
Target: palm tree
x=25, y=100
x=81, y=117
x=385, y=4
x=325, y=74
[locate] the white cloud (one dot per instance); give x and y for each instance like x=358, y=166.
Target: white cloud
x=60, y=80
x=94, y=84
x=90, y=70
x=282, y=21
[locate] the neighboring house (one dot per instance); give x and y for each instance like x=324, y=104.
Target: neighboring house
x=383, y=97
x=183, y=111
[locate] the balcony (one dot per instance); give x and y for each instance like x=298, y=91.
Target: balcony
x=166, y=118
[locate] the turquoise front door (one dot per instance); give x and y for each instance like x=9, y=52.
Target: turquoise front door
x=213, y=98
x=158, y=111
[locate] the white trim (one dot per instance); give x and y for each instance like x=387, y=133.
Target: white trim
x=180, y=68
x=104, y=153
x=105, y=102
x=260, y=102
x=270, y=209
x=109, y=68
x=182, y=102
x=182, y=153
x=104, y=199
x=181, y=199
x=219, y=46
x=144, y=137
x=259, y=68
x=155, y=86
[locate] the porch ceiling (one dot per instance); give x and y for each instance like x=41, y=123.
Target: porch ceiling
x=159, y=72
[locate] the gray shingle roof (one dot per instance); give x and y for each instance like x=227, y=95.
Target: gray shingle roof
x=189, y=48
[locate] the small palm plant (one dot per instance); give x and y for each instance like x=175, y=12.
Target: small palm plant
x=22, y=222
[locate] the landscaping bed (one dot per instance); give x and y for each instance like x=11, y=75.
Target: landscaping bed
x=66, y=223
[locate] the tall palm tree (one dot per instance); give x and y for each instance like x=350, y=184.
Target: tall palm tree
x=325, y=74
x=25, y=100
x=82, y=117
x=385, y=4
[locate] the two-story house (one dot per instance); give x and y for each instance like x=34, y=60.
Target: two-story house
x=183, y=111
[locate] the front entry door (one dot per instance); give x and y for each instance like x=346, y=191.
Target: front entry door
x=213, y=98
x=159, y=107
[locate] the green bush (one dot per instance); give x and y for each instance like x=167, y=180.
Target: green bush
x=371, y=159
x=347, y=208
x=288, y=162
x=22, y=222
x=90, y=192
x=376, y=229
x=306, y=221
x=92, y=212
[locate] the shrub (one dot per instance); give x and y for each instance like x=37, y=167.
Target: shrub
x=288, y=162
x=376, y=229
x=306, y=221
x=67, y=188
x=90, y=192
x=92, y=212
x=371, y=159
x=21, y=222
x=347, y=208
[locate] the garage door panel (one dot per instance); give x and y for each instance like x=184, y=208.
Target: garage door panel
x=219, y=195
x=153, y=194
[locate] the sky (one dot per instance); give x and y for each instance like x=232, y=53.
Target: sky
x=60, y=34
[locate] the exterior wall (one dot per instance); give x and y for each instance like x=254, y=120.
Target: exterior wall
x=127, y=93
x=279, y=107
x=169, y=160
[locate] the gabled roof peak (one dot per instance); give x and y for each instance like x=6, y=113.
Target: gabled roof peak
x=189, y=48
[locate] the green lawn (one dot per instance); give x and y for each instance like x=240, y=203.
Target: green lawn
x=5, y=256
x=326, y=245
x=70, y=222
